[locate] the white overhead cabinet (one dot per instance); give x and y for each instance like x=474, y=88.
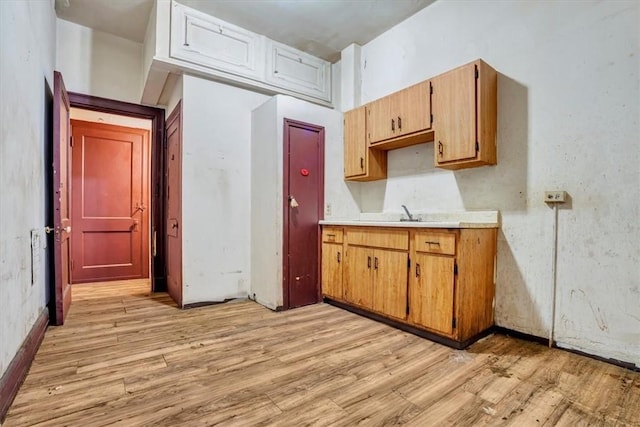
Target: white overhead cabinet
x=209, y=47
x=205, y=40
x=298, y=71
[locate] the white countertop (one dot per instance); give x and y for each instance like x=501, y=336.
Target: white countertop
x=469, y=219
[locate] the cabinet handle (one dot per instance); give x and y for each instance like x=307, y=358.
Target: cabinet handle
x=432, y=243
x=375, y=263
x=362, y=163
x=417, y=270
x=399, y=123
x=369, y=262
x=440, y=148
x=393, y=125
x=338, y=256
x=331, y=235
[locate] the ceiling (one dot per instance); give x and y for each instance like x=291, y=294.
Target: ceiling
x=319, y=27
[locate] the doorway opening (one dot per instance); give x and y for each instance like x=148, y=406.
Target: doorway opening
x=155, y=207
x=110, y=197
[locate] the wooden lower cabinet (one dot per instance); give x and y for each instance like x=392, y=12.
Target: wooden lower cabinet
x=332, y=258
x=432, y=292
x=438, y=283
x=376, y=279
x=390, y=283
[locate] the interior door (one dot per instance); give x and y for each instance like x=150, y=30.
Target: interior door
x=62, y=199
x=304, y=199
x=432, y=293
x=173, y=205
x=110, y=202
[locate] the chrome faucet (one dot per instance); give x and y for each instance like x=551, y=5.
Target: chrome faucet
x=411, y=218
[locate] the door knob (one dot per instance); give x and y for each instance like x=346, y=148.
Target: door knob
x=293, y=202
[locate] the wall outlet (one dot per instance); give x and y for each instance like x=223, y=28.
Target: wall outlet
x=556, y=196
x=327, y=209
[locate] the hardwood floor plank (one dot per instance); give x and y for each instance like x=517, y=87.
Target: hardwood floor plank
x=129, y=357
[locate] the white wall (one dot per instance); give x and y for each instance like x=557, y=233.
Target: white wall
x=267, y=186
x=216, y=201
x=99, y=64
x=568, y=118
x=27, y=57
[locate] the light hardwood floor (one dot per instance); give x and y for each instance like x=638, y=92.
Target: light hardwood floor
x=126, y=357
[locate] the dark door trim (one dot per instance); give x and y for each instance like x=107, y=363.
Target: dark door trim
x=285, y=202
x=156, y=115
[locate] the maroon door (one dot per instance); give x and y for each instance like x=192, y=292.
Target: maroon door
x=61, y=198
x=110, y=200
x=173, y=204
x=304, y=199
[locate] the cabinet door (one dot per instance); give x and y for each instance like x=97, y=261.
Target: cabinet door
x=332, y=270
x=355, y=142
x=210, y=42
x=293, y=69
x=454, y=110
x=431, y=292
x=390, y=283
x=358, y=287
x=382, y=122
x=412, y=106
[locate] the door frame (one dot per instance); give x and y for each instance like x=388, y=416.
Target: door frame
x=285, y=203
x=156, y=186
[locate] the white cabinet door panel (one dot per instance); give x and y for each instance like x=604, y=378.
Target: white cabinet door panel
x=205, y=40
x=293, y=69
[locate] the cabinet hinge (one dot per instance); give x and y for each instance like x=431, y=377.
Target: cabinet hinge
x=455, y=269
x=70, y=141
x=407, y=311
x=430, y=89
x=432, y=119
x=477, y=146
x=453, y=323
x=477, y=74
x=409, y=263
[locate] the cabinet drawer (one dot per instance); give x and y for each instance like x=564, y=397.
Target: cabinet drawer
x=390, y=239
x=331, y=235
x=435, y=242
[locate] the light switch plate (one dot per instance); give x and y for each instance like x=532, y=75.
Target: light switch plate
x=555, y=196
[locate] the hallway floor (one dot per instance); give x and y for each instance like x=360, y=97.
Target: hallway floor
x=127, y=357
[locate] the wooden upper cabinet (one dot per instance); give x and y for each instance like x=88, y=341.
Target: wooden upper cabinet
x=381, y=120
x=465, y=116
x=401, y=114
x=456, y=110
x=413, y=107
x=361, y=163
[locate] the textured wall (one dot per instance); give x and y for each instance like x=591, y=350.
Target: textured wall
x=569, y=111
x=27, y=56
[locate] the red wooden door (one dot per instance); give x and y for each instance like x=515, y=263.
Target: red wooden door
x=110, y=202
x=304, y=200
x=61, y=199
x=173, y=205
